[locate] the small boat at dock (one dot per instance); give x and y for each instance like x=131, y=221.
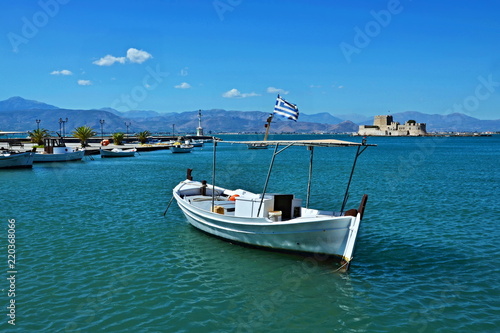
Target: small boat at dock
x=11, y=159
x=179, y=147
x=117, y=152
x=55, y=150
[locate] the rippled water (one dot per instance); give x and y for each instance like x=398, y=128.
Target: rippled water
x=94, y=252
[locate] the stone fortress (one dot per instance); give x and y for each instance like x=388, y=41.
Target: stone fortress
x=386, y=126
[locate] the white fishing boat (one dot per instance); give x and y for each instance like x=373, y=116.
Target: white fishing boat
x=196, y=143
x=11, y=159
x=257, y=145
x=179, y=147
x=117, y=152
x=274, y=221
x=55, y=150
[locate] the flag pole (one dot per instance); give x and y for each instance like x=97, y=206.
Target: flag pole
x=269, y=120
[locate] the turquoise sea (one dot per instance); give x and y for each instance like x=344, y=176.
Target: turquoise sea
x=94, y=252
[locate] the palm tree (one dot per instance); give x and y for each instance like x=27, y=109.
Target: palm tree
x=38, y=135
x=118, y=138
x=143, y=136
x=84, y=133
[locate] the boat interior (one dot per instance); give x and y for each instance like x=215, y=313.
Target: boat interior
x=241, y=203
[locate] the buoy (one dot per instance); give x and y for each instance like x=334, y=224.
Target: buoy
x=233, y=197
x=104, y=142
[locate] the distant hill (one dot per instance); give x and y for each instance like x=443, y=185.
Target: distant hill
x=18, y=103
x=324, y=118
x=18, y=114
x=133, y=113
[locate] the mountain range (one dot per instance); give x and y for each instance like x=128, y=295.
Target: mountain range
x=19, y=114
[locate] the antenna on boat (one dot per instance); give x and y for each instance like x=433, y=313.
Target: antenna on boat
x=213, y=176
x=310, y=148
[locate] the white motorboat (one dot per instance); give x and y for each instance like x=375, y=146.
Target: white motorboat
x=55, y=150
x=11, y=159
x=117, y=152
x=259, y=145
x=274, y=221
x=178, y=147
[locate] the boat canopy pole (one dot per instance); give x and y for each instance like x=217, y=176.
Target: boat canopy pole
x=311, y=148
x=346, y=195
x=213, y=176
x=267, y=179
x=276, y=152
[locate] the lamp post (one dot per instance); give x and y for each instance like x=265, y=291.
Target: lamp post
x=38, y=124
x=63, y=123
x=102, y=130
x=127, y=124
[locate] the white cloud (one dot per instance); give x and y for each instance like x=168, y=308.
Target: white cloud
x=84, y=82
x=273, y=90
x=183, y=85
x=235, y=93
x=138, y=56
x=109, y=60
x=63, y=72
x=133, y=55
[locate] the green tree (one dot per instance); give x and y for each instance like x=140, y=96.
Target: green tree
x=38, y=135
x=118, y=138
x=84, y=133
x=143, y=136
x=411, y=121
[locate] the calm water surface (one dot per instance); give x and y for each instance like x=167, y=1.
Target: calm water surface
x=94, y=252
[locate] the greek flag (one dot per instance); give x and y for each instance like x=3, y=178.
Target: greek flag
x=286, y=109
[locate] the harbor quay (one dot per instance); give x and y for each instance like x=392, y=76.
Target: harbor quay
x=94, y=144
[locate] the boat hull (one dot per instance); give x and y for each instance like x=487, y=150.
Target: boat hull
x=124, y=153
x=63, y=157
x=318, y=234
x=180, y=150
x=19, y=160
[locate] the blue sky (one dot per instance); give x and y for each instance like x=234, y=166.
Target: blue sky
x=341, y=57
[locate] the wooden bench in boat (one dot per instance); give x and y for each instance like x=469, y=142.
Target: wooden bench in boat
x=205, y=203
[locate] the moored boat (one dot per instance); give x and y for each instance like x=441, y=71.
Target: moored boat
x=274, y=221
x=196, y=143
x=11, y=159
x=117, y=152
x=178, y=147
x=259, y=145
x=55, y=150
